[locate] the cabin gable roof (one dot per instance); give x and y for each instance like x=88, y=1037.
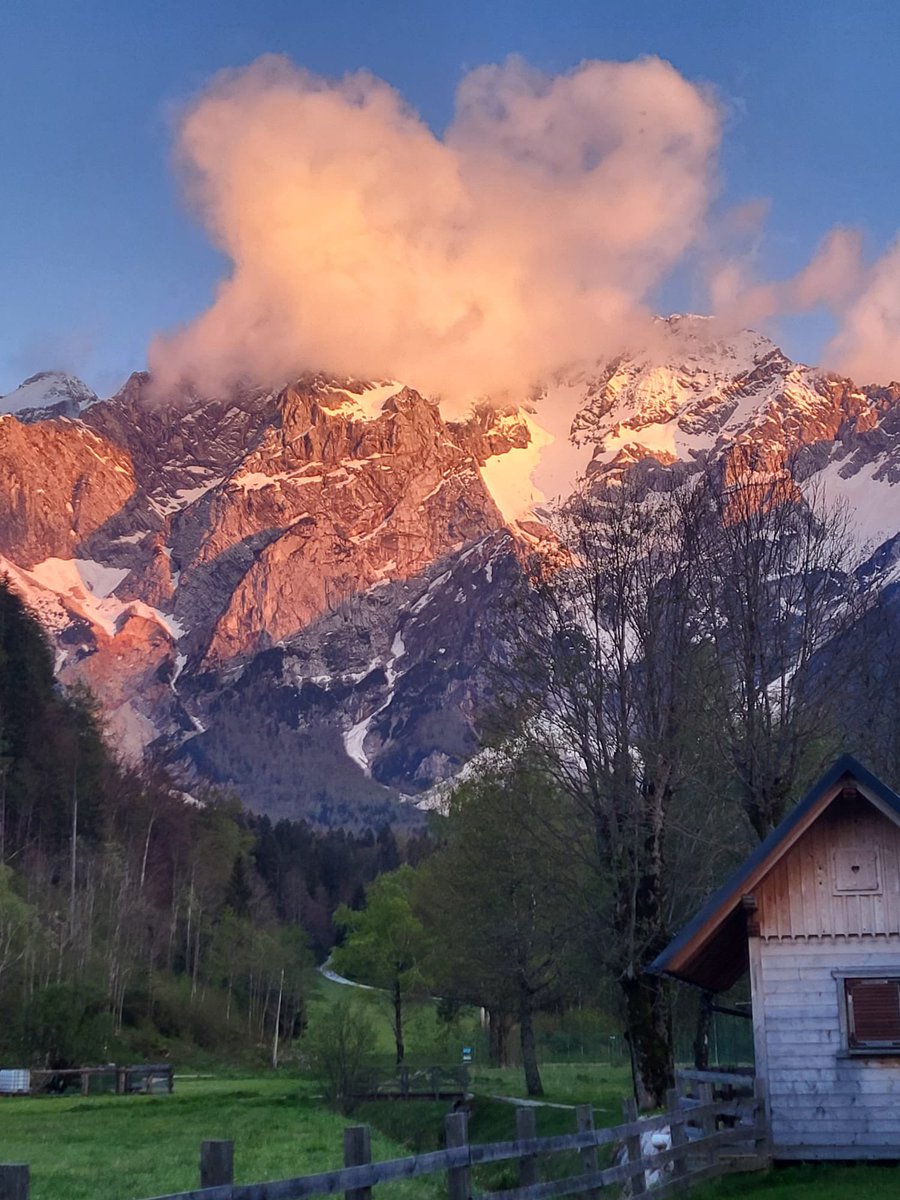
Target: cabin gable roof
x=711, y=950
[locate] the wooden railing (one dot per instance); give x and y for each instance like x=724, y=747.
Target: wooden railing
x=142, y=1077
x=424, y=1083
x=705, y=1137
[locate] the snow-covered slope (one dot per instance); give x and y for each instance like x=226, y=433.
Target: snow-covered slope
x=291, y=593
x=63, y=395
x=742, y=398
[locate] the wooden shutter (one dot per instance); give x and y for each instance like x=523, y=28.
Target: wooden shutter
x=873, y=1012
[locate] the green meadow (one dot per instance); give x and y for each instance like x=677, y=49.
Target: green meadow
x=106, y=1147
x=134, y=1147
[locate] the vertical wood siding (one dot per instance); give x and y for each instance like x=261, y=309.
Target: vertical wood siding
x=798, y=898
x=822, y=1102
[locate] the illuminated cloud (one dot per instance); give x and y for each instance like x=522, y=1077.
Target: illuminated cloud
x=530, y=235
x=867, y=346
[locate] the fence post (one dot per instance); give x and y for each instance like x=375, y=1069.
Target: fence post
x=584, y=1118
x=357, y=1153
x=761, y=1120
x=456, y=1133
x=121, y=1077
x=526, y=1129
x=85, y=1081
x=633, y=1148
x=216, y=1163
x=708, y=1120
x=677, y=1132
x=14, y=1181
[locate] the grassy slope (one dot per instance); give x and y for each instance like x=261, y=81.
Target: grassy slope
x=129, y=1148
x=121, y=1148
x=426, y=1037
x=819, y=1182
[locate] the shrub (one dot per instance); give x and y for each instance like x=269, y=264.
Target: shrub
x=65, y=1026
x=339, y=1046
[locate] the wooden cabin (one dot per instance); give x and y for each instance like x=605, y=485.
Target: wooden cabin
x=814, y=916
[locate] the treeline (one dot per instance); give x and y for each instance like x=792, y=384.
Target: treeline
x=130, y=911
x=682, y=661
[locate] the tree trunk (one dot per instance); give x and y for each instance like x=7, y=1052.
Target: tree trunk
x=701, y=1037
x=533, y=1084
x=398, y=1020
x=498, y=1022
x=650, y=1038
x=277, y=1022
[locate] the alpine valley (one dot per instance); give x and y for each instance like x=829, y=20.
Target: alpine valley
x=290, y=593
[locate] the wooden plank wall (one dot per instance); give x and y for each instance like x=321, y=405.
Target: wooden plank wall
x=798, y=899
x=822, y=1103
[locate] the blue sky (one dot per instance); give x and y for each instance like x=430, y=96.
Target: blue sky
x=98, y=253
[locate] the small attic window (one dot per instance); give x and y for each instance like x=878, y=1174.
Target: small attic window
x=856, y=869
x=873, y=1013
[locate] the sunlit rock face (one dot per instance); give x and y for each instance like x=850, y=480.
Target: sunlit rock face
x=292, y=593
x=281, y=592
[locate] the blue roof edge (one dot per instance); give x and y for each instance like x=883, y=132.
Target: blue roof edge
x=845, y=765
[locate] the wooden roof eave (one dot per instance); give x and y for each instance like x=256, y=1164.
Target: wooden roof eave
x=711, y=950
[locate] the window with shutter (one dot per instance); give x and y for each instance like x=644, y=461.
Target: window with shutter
x=873, y=1013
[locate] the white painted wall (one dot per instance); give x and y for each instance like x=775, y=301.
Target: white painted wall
x=823, y=1103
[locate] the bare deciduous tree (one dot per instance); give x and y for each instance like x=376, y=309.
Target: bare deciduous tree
x=604, y=686
x=776, y=585
x=669, y=622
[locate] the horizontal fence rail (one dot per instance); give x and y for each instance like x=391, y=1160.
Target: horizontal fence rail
x=139, y=1077
x=701, y=1133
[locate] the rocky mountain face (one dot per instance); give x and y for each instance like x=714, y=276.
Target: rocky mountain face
x=278, y=592
x=289, y=593
x=744, y=402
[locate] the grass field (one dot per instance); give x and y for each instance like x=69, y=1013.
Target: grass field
x=136, y=1147
x=124, y=1148
x=819, y=1182
x=133, y=1147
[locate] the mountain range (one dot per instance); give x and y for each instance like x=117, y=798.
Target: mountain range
x=288, y=592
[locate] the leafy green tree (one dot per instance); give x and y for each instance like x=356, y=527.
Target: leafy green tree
x=495, y=902
x=65, y=1026
x=386, y=944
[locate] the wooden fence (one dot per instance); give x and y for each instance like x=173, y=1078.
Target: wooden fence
x=123, y=1080
x=708, y=1138
x=426, y=1083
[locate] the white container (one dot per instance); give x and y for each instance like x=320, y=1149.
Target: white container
x=14, y=1082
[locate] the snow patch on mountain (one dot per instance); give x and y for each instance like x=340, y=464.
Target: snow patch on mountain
x=508, y=476
x=363, y=404
x=872, y=501
x=48, y=388
x=355, y=737
x=78, y=575
x=59, y=588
